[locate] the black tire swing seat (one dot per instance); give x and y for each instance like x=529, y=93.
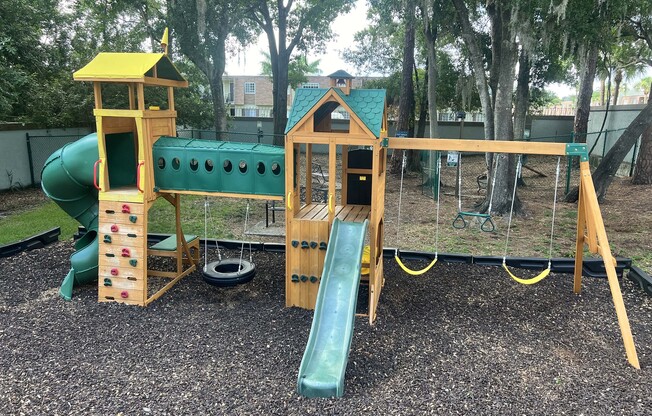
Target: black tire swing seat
x=229, y=272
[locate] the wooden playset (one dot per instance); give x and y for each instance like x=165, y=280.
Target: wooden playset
x=140, y=160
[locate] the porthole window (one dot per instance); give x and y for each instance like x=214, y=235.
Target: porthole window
x=260, y=168
x=194, y=164
x=208, y=165
x=176, y=163
x=242, y=166
x=276, y=168
x=228, y=166
x=161, y=163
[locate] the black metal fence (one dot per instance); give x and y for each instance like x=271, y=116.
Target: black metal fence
x=231, y=136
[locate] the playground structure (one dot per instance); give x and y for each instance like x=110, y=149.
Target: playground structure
x=135, y=158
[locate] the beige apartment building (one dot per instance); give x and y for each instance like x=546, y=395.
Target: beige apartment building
x=251, y=95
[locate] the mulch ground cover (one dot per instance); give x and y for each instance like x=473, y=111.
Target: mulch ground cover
x=459, y=340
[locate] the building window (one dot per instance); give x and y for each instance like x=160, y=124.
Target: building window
x=313, y=85
x=250, y=112
x=249, y=87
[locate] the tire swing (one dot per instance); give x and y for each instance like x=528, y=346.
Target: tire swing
x=398, y=224
x=227, y=272
x=546, y=272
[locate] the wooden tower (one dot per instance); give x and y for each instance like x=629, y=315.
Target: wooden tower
x=124, y=171
x=312, y=207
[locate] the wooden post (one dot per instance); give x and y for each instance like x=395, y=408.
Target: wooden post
x=141, y=96
x=579, y=242
x=97, y=89
x=179, y=232
x=132, y=96
x=308, y=173
x=591, y=200
x=345, y=166
x=171, y=98
x=332, y=178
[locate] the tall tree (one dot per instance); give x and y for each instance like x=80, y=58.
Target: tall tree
x=643, y=171
x=289, y=26
x=406, y=105
x=476, y=58
x=496, y=88
x=431, y=19
x=637, y=25
x=588, y=66
x=202, y=29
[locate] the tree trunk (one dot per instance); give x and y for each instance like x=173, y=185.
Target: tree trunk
x=423, y=101
x=643, y=170
x=617, y=80
x=522, y=95
x=477, y=65
x=606, y=170
x=504, y=127
x=280, y=101
x=602, y=90
x=580, y=125
x=217, y=95
x=406, y=99
x=430, y=31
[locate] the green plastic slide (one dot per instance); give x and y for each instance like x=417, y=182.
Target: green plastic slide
x=324, y=362
x=67, y=179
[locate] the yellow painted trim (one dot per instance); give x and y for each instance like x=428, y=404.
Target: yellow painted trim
x=121, y=197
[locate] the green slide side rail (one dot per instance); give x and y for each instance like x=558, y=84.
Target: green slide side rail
x=324, y=362
x=67, y=179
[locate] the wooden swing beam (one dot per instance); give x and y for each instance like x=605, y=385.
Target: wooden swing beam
x=590, y=224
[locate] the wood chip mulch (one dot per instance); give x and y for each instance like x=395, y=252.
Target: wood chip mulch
x=458, y=340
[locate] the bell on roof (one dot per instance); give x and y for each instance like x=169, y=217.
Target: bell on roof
x=342, y=80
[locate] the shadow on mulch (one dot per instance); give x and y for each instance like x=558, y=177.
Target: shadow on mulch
x=459, y=340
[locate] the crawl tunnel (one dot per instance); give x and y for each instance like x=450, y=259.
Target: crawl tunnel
x=214, y=166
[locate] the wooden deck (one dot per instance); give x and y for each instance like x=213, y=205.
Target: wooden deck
x=319, y=212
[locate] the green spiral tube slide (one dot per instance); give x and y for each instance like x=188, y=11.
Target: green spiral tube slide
x=67, y=179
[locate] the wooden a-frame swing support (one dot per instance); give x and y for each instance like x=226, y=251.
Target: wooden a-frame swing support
x=590, y=225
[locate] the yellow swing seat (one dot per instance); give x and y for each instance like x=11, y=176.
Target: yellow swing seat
x=414, y=272
x=530, y=281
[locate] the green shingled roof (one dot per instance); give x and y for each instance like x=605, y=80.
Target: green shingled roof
x=304, y=100
x=368, y=105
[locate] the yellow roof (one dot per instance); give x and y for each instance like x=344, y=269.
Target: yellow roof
x=150, y=68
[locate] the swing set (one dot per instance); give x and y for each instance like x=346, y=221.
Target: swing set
x=529, y=281
x=590, y=225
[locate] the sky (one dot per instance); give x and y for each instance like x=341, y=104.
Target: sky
x=344, y=27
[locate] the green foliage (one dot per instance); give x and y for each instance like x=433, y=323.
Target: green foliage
x=644, y=85
x=298, y=69
x=193, y=104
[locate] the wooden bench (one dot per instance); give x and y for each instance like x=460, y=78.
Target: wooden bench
x=168, y=248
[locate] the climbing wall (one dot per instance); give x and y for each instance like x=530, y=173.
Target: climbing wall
x=309, y=240
x=122, y=253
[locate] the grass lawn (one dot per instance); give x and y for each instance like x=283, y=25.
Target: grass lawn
x=47, y=215
x=35, y=221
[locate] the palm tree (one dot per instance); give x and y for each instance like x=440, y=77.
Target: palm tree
x=298, y=70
